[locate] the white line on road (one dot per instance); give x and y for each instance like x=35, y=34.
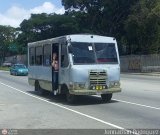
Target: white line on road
x=134, y=103
x=82, y=114
x=137, y=104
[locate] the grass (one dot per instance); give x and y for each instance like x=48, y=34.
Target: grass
x=4, y=68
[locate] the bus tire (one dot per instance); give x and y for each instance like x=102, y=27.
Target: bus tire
x=64, y=89
x=39, y=89
x=106, y=97
x=70, y=98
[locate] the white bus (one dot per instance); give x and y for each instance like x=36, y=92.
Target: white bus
x=88, y=65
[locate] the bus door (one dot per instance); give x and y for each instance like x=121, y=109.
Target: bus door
x=64, y=65
x=55, y=66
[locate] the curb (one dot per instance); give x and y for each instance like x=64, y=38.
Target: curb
x=3, y=71
x=146, y=74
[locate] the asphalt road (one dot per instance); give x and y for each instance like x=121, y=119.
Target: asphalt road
x=136, y=107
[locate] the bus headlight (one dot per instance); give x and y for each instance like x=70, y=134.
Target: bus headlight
x=114, y=84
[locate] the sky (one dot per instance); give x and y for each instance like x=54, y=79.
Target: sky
x=13, y=12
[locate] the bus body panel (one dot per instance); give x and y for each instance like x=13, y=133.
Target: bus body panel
x=80, y=74
x=42, y=74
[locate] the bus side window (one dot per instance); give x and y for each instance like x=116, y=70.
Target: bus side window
x=38, y=55
x=64, y=56
x=32, y=56
x=47, y=55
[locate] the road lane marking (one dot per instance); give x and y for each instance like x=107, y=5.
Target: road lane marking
x=71, y=110
x=137, y=104
x=133, y=103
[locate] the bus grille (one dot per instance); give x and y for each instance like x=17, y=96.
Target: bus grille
x=98, y=78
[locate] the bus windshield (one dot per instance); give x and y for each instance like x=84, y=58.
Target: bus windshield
x=92, y=53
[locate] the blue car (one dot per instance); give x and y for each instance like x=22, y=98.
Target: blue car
x=18, y=69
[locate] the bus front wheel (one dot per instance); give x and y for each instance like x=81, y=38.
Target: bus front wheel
x=106, y=97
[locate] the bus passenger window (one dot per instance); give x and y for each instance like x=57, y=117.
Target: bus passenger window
x=32, y=56
x=47, y=55
x=39, y=55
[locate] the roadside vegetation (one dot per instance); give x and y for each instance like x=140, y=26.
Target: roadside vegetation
x=135, y=24
x=4, y=68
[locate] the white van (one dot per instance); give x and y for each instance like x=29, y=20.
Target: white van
x=88, y=65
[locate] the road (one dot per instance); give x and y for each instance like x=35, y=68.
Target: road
x=136, y=107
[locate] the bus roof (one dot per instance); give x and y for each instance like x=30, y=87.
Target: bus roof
x=77, y=38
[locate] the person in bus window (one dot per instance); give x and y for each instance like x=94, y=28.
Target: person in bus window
x=55, y=66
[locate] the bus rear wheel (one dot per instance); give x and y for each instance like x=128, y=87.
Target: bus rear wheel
x=106, y=97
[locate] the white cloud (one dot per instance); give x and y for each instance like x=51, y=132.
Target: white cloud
x=47, y=7
x=15, y=15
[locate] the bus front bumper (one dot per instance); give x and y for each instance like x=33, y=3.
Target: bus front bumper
x=95, y=92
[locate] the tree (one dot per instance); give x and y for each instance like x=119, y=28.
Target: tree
x=44, y=26
x=7, y=37
x=104, y=17
x=143, y=28
x=135, y=24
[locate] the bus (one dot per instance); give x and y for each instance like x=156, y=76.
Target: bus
x=88, y=65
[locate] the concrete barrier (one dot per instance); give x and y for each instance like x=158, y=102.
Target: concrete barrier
x=17, y=59
x=140, y=63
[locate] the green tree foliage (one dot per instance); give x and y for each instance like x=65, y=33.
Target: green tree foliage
x=7, y=37
x=134, y=23
x=105, y=17
x=44, y=26
x=143, y=28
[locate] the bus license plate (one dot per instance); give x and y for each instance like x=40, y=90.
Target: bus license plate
x=99, y=88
